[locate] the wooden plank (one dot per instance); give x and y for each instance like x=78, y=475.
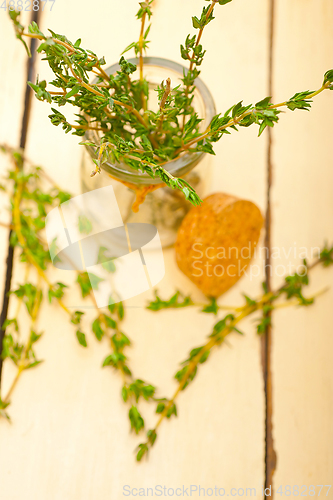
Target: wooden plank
x=69, y=421
x=13, y=62
x=302, y=208
x=13, y=65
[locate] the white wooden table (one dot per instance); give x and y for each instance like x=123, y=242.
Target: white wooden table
x=70, y=434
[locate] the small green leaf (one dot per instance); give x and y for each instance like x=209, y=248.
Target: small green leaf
x=76, y=317
x=249, y=301
x=326, y=256
x=88, y=143
x=172, y=411
x=74, y=91
x=129, y=47
x=34, y=29
x=262, y=127
x=97, y=329
x=85, y=226
x=212, y=307
x=112, y=306
x=105, y=260
x=328, y=77
x=110, y=322
x=81, y=338
x=204, y=357
x=176, y=301
x=34, y=337
x=124, y=393
x=121, y=311
x=33, y=364
x=95, y=280
x=160, y=408
x=143, y=449
x=264, y=103
x=151, y=435
x=196, y=22
x=238, y=331
x=137, y=422
x=56, y=291
x=84, y=282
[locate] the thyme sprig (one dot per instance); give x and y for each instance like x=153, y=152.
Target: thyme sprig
x=28, y=204
x=141, y=46
x=114, y=114
x=31, y=202
x=193, y=51
x=21, y=354
x=293, y=292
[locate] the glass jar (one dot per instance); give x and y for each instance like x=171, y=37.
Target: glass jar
x=164, y=207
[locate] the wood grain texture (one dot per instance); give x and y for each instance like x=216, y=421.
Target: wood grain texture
x=302, y=209
x=267, y=338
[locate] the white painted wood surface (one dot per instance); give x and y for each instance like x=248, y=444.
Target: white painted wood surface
x=302, y=217
x=70, y=435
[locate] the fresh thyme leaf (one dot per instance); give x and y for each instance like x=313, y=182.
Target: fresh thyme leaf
x=212, y=307
x=97, y=329
x=84, y=282
x=81, y=338
x=137, y=422
x=176, y=301
x=76, y=317
x=326, y=256
x=85, y=226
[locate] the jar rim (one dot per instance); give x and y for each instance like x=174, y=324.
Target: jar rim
x=179, y=166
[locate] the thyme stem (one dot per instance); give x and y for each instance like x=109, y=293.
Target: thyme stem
x=89, y=87
x=237, y=120
x=162, y=106
x=22, y=365
x=187, y=88
x=216, y=339
x=141, y=40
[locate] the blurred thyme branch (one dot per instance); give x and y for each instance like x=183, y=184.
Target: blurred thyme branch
x=29, y=207
x=291, y=290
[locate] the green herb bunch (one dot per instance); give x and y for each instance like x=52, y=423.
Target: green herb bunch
x=116, y=107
